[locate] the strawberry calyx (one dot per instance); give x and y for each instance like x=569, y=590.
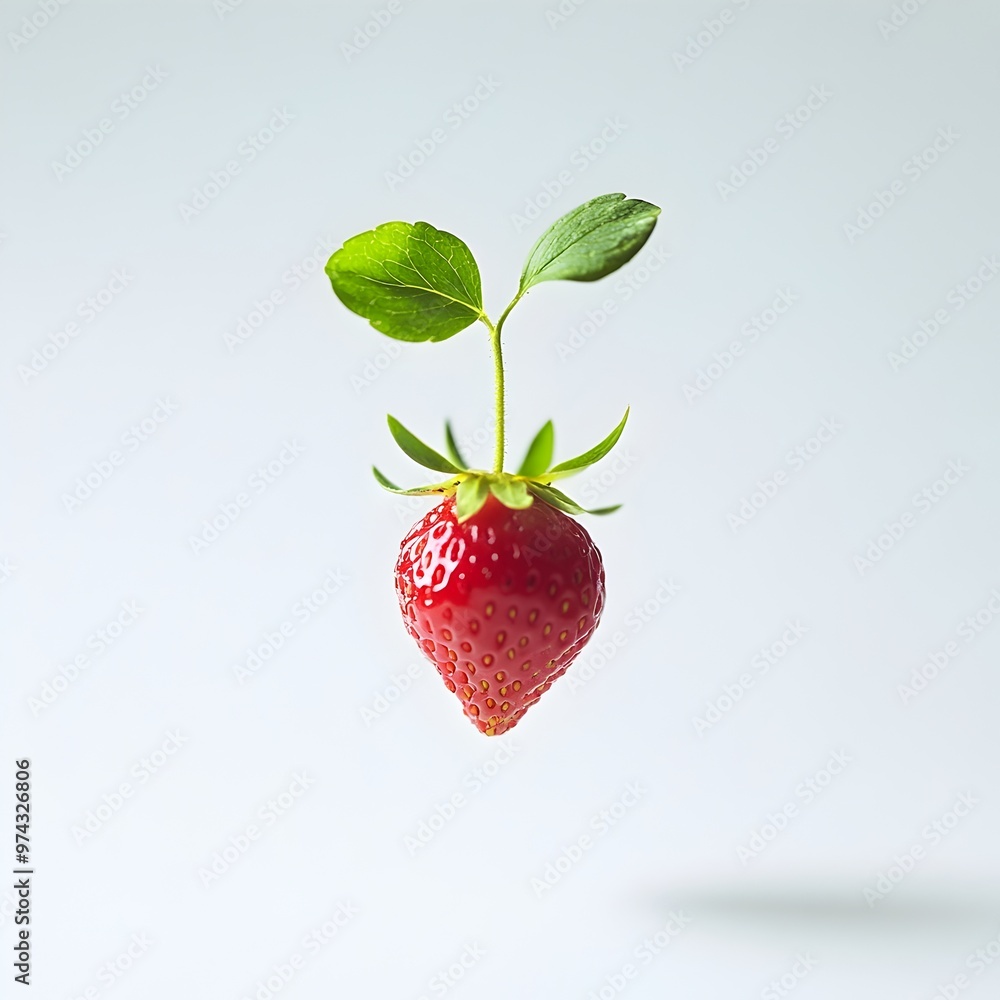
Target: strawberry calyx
x=471, y=487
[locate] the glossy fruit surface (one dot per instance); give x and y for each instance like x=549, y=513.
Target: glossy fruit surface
x=501, y=603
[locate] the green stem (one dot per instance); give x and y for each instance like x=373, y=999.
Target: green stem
x=498, y=381
x=498, y=392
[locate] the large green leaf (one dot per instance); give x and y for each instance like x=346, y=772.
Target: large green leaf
x=421, y=453
x=410, y=281
x=573, y=465
x=591, y=241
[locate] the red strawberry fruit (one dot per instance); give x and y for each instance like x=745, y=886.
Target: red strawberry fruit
x=500, y=588
x=501, y=604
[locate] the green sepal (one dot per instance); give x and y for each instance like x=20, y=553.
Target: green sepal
x=421, y=453
x=559, y=500
x=539, y=455
x=511, y=492
x=432, y=488
x=451, y=446
x=471, y=495
x=588, y=458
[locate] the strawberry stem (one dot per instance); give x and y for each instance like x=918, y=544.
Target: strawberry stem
x=498, y=393
x=498, y=380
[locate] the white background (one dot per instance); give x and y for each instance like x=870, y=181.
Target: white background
x=305, y=375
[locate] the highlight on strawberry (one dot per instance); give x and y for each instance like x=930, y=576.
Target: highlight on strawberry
x=498, y=585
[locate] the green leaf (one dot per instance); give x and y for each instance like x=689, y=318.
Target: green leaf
x=591, y=241
x=421, y=453
x=470, y=497
x=560, y=501
x=410, y=281
x=511, y=493
x=588, y=458
x=539, y=456
x=417, y=491
x=451, y=446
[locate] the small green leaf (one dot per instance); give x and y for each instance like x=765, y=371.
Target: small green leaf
x=451, y=446
x=539, y=456
x=591, y=241
x=560, y=501
x=421, y=453
x=511, y=493
x=417, y=491
x=588, y=458
x=410, y=281
x=470, y=497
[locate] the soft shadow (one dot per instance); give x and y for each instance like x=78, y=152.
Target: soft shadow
x=947, y=914
x=814, y=903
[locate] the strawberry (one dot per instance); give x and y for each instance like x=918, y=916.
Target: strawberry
x=501, y=603
x=499, y=587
